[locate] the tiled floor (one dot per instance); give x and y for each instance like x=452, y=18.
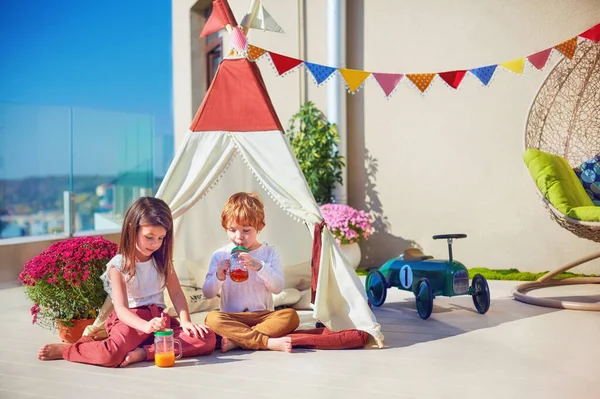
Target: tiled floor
x=514, y=351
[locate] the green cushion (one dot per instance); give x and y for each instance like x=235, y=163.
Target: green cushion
x=585, y=213
x=558, y=183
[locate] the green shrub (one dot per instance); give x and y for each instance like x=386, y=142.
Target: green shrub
x=314, y=142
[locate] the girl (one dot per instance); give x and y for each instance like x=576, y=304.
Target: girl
x=135, y=279
x=247, y=318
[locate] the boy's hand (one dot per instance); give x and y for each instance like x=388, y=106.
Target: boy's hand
x=222, y=267
x=249, y=262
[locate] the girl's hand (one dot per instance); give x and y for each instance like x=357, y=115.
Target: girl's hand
x=222, y=268
x=249, y=262
x=154, y=325
x=194, y=330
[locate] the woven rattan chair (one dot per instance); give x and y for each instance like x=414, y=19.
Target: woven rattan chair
x=564, y=119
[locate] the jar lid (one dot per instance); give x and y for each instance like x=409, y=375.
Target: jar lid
x=239, y=248
x=164, y=333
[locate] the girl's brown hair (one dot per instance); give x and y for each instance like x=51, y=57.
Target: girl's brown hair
x=246, y=209
x=147, y=211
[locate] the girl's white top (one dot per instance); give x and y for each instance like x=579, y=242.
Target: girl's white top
x=145, y=288
x=252, y=295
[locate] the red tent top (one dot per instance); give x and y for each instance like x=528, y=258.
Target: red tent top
x=236, y=101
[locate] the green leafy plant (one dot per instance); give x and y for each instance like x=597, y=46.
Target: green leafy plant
x=314, y=141
x=64, y=282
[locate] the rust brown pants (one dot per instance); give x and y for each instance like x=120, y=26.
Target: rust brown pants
x=122, y=339
x=252, y=330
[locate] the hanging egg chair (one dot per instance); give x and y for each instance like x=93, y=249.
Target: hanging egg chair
x=564, y=120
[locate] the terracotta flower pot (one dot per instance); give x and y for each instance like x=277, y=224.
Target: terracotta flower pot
x=70, y=334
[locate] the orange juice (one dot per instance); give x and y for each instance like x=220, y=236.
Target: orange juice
x=238, y=275
x=164, y=359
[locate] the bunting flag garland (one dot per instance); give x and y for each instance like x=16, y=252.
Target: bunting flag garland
x=319, y=72
x=538, y=60
x=453, y=78
x=568, y=47
x=484, y=73
x=515, y=66
x=355, y=79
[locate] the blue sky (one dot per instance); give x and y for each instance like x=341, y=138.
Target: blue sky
x=112, y=55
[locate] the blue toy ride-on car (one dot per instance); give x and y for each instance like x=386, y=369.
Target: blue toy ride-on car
x=427, y=278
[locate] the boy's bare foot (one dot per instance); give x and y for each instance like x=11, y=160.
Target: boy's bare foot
x=51, y=351
x=227, y=345
x=283, y=344
x=135, y=356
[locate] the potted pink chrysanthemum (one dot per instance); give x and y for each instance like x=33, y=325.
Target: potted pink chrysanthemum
x=349, y=226
x=64, y=284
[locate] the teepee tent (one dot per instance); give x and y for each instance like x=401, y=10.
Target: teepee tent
x=236, y=143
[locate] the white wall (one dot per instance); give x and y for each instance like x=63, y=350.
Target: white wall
x=447, y=161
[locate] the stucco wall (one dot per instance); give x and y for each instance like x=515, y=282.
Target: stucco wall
x=446, y=161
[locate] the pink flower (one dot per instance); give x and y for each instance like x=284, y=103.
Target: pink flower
x=56, y=279
x=347, y=224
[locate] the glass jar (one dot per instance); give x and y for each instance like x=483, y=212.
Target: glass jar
x=164, y=348
x=237, y=271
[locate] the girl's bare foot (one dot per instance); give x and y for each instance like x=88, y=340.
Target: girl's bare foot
x=227, y=345
x=51, y=351
x=135, y=356
x=283, y=344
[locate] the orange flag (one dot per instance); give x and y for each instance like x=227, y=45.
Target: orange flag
x=568, y=47
x=421, y=80
x=255, y=53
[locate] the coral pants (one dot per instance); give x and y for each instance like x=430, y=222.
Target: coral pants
x=122, y=339
x=252, y=330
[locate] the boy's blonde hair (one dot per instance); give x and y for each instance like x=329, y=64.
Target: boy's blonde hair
x=245, y=209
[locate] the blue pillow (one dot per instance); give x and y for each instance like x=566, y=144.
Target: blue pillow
x=589, y=175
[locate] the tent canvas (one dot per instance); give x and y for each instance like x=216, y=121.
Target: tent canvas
x=236, y=143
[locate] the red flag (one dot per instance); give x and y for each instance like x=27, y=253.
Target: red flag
x=283, y=63
x=538, y=60
x=592, y=34
x=453, y=78
x=220, y=17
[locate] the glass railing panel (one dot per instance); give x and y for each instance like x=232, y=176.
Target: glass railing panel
x=34, y=169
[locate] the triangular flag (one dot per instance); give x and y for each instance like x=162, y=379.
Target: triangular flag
x=262, y=20
x=484, y=74
x=515, y=66
x=283, y=63
x=388, y=81
x=453, y=78
x=539, y=60
x=568, y=47
x=354, y=77
x=421, y=80
x=219, y=18
x=255, y=53
x=319, y=72
x=592, y=34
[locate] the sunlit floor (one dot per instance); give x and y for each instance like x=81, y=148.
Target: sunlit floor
x=514, y=351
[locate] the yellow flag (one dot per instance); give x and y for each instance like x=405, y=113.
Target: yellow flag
x=515, y=66
x=354, y=78
x=421, y=80
x=254, y=52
